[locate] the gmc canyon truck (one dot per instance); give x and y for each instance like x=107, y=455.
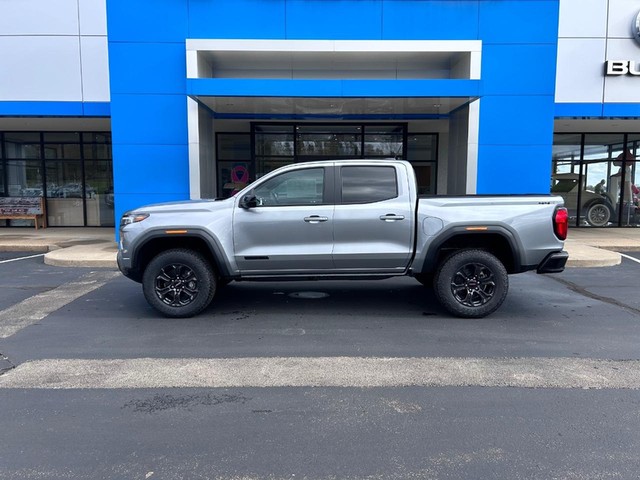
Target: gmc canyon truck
x=347, y=219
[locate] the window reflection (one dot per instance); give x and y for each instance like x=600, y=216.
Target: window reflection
x=596, y=175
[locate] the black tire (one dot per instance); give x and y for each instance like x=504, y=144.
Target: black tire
x=179, y=283
x=425, y=279
x=598, y=215
x=471, y=283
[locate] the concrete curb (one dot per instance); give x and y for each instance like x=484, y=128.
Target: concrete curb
x=102, y=255
x=586, y=256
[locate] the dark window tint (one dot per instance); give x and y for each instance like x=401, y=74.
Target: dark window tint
x=368, y=184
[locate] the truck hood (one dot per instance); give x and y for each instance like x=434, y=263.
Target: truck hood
x=184, y=206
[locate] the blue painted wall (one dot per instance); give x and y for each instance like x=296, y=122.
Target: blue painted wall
x=148, y=86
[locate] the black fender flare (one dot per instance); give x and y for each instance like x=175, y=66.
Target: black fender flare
x=430, y=260
x=215, y=249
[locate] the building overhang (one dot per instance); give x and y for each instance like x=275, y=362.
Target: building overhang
x=333, y=78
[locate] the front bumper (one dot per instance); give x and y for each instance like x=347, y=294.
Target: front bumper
x=124, y=265
x=553, y=263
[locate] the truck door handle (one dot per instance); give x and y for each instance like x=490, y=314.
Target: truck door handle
x=315, y=219
x=391, y=217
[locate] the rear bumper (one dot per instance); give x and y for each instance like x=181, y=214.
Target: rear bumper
x=553, y=263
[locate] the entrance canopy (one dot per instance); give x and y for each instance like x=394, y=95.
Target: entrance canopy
x=334, y=78
x=332, y=107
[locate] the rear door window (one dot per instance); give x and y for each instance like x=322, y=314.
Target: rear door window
x=368, y=184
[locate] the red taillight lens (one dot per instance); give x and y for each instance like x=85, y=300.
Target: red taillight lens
x=561, y=223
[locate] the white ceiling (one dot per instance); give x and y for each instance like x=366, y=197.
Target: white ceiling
x=605, y=125
x=333, y=106
x=335, y=65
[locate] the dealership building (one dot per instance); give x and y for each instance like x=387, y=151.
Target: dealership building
x=109, y=105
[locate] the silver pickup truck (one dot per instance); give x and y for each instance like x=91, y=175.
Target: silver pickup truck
x=355, y=219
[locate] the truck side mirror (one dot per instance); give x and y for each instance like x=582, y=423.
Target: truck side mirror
x=248, y=201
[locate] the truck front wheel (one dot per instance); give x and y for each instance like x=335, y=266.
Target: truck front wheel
x=179, y=283
x=471, y=283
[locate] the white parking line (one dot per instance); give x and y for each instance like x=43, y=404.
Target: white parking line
x=34, y=309
x=22, y=258
x=358, y=372
x=628, y=257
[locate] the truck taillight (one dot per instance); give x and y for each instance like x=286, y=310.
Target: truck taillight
x=561, y=223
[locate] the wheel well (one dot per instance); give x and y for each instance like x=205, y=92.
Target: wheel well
x=493, y=243
x=157, y=245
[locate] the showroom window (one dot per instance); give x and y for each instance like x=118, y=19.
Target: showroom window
x=71, y=170
x=243, y=157
x=598, y=177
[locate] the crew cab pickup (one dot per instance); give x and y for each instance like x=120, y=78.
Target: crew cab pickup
x=343, y=219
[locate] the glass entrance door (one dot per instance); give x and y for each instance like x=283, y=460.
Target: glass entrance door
x=242, y=158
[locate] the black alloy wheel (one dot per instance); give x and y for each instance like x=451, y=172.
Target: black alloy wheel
x=179, y=283
x=471, y=283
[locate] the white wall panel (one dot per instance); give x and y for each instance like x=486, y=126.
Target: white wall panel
x=39, y=17
x=95, y=69
x=40, y=68
x=93, y=17
x=583, y=18
x=580, y=70
x=621, y=15
x=625, y=88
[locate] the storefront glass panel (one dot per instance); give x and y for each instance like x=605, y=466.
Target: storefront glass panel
x=274, y=144
x=69, y=151
x=96, y=151
x=422, y=147
x=241, y=158
x=265, y=165
x=99, y=193
x=75, y=170
x=233, y=146
x=65, y=194
x=384, y=141
x=233, y=177
x=602, y=161
x=22, y=145
x=426, y=177
x=335, y=141
x=597, y=173
x=96, y=137
x=233, y=151
x=422, y=152
x=24, y=178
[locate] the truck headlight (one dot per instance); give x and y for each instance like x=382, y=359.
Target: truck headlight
x=132, y=218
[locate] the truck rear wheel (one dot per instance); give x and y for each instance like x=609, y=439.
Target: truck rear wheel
x=179, y=283
x=471, y=283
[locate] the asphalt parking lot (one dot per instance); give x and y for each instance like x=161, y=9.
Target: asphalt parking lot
x=463, y=427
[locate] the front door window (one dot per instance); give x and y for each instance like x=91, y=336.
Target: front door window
x=301, y=187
